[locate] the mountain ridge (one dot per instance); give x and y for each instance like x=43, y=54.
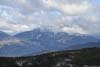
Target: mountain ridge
x=36, y=41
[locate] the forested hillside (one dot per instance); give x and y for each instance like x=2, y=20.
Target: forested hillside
x=86, y=56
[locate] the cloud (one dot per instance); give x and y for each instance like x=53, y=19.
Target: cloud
x=9, y=13
x=67, y=8
x=70, y=16
x=74, y=29
x=22, y=1
x=13, y=28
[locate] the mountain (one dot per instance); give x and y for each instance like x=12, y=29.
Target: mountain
x=87, y=45
x=12, y=47
x=60, y=37
x=45, y=38
x=3, y=35
x=39, y=41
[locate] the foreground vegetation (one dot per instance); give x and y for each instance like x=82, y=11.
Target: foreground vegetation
x=77, y=58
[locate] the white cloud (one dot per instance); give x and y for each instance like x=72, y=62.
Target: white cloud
x=22, y=1
x=15, y=28
x=74, y=29
x=72, y=16
x=70, y=9
x=92, y=18
x=10, y=13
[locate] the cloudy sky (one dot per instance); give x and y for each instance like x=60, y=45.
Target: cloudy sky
x=70, y=16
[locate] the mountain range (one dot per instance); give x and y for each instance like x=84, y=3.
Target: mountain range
x=40, y=41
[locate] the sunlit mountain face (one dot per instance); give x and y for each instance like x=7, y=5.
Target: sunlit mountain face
x=31, y=27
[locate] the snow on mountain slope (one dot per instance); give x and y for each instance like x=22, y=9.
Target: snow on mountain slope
x=61, y=37
x=39, y=41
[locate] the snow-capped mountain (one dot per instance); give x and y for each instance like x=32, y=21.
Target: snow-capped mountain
x=38, y=41
x=61, y=37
